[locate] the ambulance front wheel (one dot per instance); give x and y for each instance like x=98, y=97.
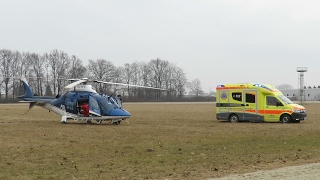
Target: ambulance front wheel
x=285, y=118
x=233, y=118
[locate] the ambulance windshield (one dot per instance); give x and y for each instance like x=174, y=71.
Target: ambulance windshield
x=285, y=99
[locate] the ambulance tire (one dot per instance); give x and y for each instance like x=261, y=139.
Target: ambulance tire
x=233, y=118
x=285, y=118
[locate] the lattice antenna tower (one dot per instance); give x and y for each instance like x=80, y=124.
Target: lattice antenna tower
x=302, y=95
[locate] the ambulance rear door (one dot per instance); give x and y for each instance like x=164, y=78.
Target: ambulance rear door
x=222, y=104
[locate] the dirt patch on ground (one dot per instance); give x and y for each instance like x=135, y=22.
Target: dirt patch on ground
x=308, y=171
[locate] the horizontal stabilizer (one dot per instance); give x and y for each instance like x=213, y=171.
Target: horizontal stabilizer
x=26, y=101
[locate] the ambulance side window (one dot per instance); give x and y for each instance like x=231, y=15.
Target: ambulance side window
x=250, y=98
x=237, y=96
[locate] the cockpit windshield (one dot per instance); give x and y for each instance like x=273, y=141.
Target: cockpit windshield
x=114, y=102
x=285, y=99
x=107, y=102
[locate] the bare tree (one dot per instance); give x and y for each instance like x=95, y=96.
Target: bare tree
x=158, y=70
x=127, y=72
x=77, y=70
x=118, y=77
x=6, y=59
x=59, y=66
x=53, y=63
x=102, y=70
x=63, y=68
x=180, y=82
x=175, y=80
x=59, y=63
x=48, y=86
x=26, y=63
x=144, y=76
x=16, y=65
x=195, y=87
x=37, y=63
x=25, y=69
x=135, y=78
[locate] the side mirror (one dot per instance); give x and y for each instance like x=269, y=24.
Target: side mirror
x=279, y=104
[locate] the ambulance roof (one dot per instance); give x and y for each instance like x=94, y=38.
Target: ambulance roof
x=267, y=87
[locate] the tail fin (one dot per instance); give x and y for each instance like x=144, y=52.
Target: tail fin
x=31, y=105
x=27, y=89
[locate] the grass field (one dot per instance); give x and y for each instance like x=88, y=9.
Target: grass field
x=162, y=141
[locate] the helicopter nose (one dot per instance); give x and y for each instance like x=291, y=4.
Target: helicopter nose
x=119, y=112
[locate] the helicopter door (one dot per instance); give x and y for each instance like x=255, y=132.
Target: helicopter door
x=94, y=106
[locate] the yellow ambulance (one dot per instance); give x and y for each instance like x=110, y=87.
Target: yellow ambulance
x=256, y=103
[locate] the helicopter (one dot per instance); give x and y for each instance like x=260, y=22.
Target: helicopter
x=80, y=103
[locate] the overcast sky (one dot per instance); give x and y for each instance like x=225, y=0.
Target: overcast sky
x=216, y=41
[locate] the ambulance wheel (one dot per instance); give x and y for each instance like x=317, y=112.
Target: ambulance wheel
x=233, y=118
x=285, y=118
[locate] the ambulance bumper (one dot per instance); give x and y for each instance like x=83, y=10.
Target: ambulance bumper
x=299, y=116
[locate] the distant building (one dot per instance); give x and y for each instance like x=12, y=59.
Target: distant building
x=311, y=94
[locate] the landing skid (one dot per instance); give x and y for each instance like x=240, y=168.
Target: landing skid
x=89, y=121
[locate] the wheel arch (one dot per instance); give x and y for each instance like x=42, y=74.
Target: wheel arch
x=233, y=114
x=284, y=114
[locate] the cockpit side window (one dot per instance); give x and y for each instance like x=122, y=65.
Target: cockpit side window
x=271, y=101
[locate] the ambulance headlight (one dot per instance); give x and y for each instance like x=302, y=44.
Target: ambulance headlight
x=299, y=110
x=296, y=110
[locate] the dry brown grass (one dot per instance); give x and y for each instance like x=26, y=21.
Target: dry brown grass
x=162, y=141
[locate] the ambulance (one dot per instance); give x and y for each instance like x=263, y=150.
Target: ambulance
x=256, y=103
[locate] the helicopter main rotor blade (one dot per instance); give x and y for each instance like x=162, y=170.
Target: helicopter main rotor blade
x=123, y=84
x=75, y=83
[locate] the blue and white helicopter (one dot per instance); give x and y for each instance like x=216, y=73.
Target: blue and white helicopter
x=99, y=107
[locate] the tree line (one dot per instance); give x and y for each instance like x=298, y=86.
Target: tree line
x=47, y=74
